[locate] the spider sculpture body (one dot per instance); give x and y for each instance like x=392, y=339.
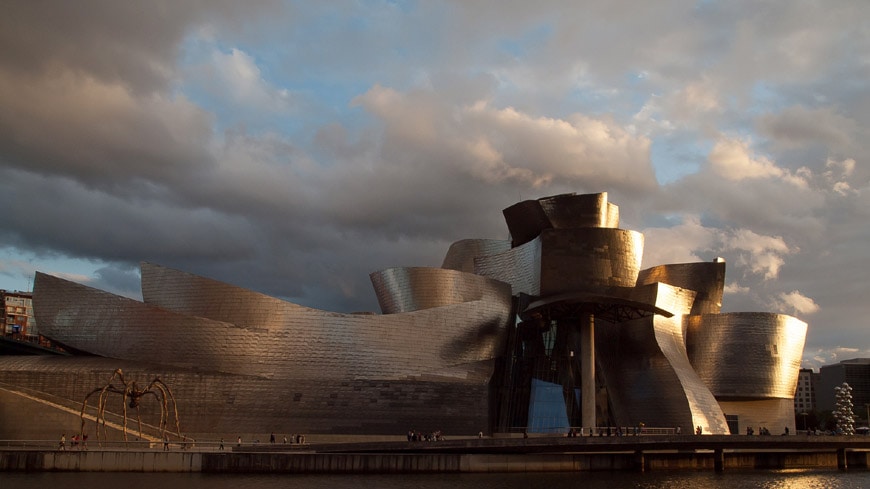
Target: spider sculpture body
x=132, y=396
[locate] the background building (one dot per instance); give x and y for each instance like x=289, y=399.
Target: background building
x=855, y=372
x=805, y=395
x=17, y=316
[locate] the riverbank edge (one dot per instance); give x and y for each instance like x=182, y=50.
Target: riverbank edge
x=406, y=463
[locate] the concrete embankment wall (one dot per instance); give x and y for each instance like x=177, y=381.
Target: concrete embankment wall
x=234, y=462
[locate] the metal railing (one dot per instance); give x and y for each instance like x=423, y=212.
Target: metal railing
x=140, y=445
x=597, y=431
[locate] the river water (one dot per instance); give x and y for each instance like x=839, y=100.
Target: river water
x=790, y=479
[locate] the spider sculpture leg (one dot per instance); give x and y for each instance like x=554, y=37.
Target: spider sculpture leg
x=166, y=396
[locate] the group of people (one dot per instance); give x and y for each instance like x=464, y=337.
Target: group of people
x=185, y=443
x=761, y=431
x=414, y=435
x=294, y=439
x=608, y=431
x=76, y=440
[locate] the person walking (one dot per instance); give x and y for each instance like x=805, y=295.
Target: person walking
x=62, y=445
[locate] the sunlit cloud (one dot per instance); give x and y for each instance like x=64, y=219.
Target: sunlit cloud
x=733, y=160
x=794, y=303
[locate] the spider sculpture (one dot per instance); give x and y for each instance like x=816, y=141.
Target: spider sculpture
x=132, y=396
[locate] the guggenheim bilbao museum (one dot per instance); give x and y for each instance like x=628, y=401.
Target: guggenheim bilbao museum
x=556, y=328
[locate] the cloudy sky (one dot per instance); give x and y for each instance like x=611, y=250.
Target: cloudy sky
x=295, y=147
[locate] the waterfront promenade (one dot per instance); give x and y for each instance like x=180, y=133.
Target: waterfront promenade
x=642, y=453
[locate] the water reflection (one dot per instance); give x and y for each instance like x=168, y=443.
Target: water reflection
x=791, y=479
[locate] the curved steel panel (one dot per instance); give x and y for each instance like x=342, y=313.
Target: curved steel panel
x=409, y=289
x=519, y=266
x=648, y=374
x=572, y=259
x=774, y=414
x=462, y=253
x=287, y=365
x=194, y=295
x=285, y=341
x=525, y=221
x=108, y=325
x=746, y=355
x=705, y=278
x=580, y=211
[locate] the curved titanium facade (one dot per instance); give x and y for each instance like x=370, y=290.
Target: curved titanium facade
x=572, y=259
x=525, y=221
x=461, y=255
x=580, y=211
x=707, y=279
x=647, y=357
x=449, y=352
x=520, y=267
x=338, y=370
x=747, y=355
x=528, y=219
x=313, y=343
x=415, y=288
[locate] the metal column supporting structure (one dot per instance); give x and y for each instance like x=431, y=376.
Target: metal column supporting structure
x=587, y=369
x=611, y=305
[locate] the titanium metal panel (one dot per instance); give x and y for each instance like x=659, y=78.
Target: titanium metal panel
x=339, y=370
x=108, y=325
x=462, y=253
x=212, y=404
x=648, y=375
x=519, y=266
x=294, y=344
x=580, y=211
x=747, y=355
x=705, y=278
x=525, y=221
x=774, y=414
x=572, y=259
x=414, y=288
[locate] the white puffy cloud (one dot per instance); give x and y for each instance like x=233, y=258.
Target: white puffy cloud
x=815, y=358
x=794, y=303
x=682, y=243
x=237, y=76
x=690, y=241
x=505, y=145
x=838, y=173
x=734, y=160
x=733, y=288
x=762, y=255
